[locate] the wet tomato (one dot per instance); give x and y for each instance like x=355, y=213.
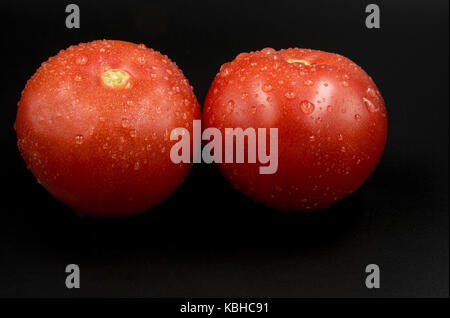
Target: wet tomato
x=330, y=116
x=94, y=122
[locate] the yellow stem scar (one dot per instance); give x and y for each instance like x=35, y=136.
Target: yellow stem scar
x=115, y=78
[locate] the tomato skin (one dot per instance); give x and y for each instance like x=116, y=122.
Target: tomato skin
x=105, y=151
x=331, y=122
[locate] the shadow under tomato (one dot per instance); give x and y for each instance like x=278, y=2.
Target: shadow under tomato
x=210, y=220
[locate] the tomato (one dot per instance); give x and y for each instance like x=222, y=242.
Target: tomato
x=94, y=122
x=330, y=116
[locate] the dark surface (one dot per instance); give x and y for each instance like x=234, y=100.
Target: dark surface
x=208, y=240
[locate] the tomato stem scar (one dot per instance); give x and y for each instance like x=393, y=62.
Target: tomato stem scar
x=115, y=78
x=292, y=61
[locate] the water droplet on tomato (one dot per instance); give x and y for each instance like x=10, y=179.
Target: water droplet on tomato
x=340, y=137
x=306, y=107
x=345, y=83
x=79, y=139
x=290, y=95
x=81, y=60
x=357, y=116
x=343, y=149
x=369, y=105
x=268, y=51
x=133, y=133
x=125, y=123
x=329, y=108
x=267, y=88
x=225, y=71
x=308, y=83
x=137, y=165
x=371, y=92
x=141, y=59
x=230, y=106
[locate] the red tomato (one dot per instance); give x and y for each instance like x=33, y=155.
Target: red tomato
x=94, y=122
x=330, y=117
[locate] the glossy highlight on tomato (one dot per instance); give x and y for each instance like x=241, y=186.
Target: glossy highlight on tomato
x=93, y=125
x=330, y=116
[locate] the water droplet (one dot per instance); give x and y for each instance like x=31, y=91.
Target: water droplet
x=325, y=84
x=343, y=149
x=340, y=137
x=102, y=119
x=230, y=106
x=158, y=110
x=267, y=88
x=306, y=107
x=290, y=95
x=77, y=78
x=358, y=161
x=369, y=105
x=253, y=109
x=125, y=123
x=371, y=92
x=133, y=133
x=312, y=138
x=345, y=83
x=137, y=165
x=81, y=60
x=79, y=139
x=329, y=108
x=308, y=82
x=244, y=96
x=357, y=116
x=225, y=72
x=268, y=51
x=105, y=146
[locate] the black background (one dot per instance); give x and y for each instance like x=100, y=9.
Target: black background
x=208, y=240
